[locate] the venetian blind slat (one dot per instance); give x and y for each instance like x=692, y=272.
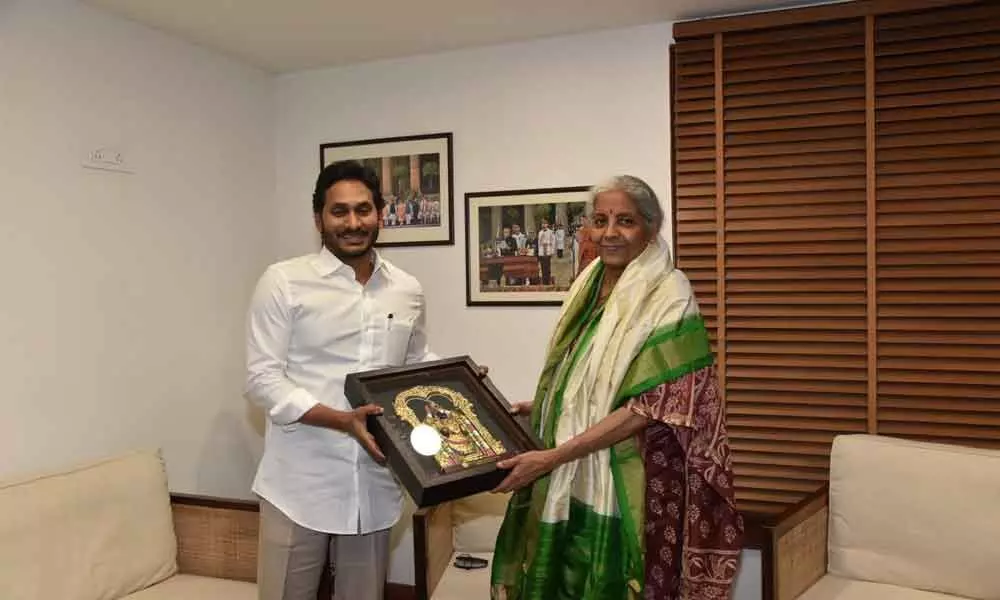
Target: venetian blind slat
x=794, y=251
x=856, y=276
x=938, y=225
x=695, y=166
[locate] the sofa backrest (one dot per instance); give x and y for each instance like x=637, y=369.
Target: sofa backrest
x=99, y=531
x=918, y=515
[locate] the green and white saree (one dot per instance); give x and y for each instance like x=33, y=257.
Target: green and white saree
x=579, y=532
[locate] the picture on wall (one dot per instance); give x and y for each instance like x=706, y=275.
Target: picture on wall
x=525, y=247
x=416, y=176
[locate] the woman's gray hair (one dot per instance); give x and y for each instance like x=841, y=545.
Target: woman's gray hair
x=639, y=191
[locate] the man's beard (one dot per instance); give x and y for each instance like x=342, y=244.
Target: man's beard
x=333, y=242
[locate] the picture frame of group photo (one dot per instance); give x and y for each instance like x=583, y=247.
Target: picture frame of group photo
x=523, y=246
x=417, y=178
x=526, y=246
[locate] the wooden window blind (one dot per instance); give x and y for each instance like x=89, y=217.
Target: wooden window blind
x=837, y=198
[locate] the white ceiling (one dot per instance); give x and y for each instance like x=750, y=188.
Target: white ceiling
x=291, y=35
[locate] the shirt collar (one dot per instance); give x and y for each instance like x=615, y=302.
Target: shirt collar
x=327, y=264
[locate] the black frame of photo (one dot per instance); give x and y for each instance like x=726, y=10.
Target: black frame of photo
x=424, y=487
x=447, y=137
x=469, y=245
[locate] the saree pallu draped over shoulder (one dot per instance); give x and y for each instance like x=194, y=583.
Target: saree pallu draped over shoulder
x=652, y=516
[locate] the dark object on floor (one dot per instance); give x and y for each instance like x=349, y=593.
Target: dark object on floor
x=465, y=561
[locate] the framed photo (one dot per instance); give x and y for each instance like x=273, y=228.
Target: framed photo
x=443, y=427
x=417, y=179
x=525, y=247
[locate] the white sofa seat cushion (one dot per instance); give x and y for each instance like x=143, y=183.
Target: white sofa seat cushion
x=465, y=584
x=838, y=588
x=102, y=530
x=916, y=515
x=193, y=587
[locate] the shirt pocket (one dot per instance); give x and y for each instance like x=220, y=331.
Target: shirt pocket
x=397, y=341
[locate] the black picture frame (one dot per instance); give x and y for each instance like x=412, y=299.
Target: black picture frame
x=433, y=156
x=488, y=279
x=427, y=481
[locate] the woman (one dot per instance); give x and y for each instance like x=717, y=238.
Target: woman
x=632, y=496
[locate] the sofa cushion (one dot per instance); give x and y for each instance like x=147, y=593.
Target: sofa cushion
x=476, y=521
x=465, y=584
x=98, y=531
x=193, y=587
x=917, y=515
x=837, y=588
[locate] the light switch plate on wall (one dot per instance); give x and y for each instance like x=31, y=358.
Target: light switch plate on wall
x=107, y=159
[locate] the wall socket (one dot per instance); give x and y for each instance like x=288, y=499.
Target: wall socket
x=107, y=159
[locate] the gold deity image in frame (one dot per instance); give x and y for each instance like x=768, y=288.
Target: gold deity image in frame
x=445, y=401
x=464, y=440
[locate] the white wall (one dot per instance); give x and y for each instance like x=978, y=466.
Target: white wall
x=557, y=112
x=122, y=309
x=121, y=313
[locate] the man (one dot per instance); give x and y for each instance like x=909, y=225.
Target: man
x=560, y=240
x=519, y=238
x=509, y=246
x=325, y=495
x=546, y=248
x=412, y=208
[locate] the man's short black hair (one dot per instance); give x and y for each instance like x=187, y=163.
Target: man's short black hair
x=346, y=170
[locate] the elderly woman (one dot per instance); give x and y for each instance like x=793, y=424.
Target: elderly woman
x=632, y=496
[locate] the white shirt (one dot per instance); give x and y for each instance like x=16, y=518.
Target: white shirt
x=546, y=242
x=310, y=324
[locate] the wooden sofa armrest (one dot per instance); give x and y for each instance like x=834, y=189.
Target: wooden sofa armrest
x=795, y=546
x=216, y=537
x=433, y=546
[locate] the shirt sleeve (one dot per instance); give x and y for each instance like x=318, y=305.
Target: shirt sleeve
x=269, y=328
x=419, y=349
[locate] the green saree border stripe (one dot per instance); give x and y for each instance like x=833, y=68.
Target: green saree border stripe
x=678, y=350
x=588, y=547
x=630, y=509
x=650, y=383
x=555, y=370
x=591, y=319
x=518, y=540
x=685, y=325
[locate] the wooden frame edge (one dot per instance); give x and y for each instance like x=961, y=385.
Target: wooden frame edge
x=399, y=591
x=184, y=499
x=795, y=514
x=423, y=520
x=871, y=226
x=803, y=15
x=420, y=553
x=774, y=527
x=672, y=104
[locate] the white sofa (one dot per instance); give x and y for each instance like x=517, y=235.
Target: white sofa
x=110, y=529
x=902, y=520
x=466, y=526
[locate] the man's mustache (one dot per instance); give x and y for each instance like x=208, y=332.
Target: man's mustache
x=353, y=232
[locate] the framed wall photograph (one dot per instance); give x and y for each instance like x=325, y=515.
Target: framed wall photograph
x=525, y=247
x=443, y=427
x=417, y=178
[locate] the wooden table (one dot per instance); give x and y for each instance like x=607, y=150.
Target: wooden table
x=514, y=267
